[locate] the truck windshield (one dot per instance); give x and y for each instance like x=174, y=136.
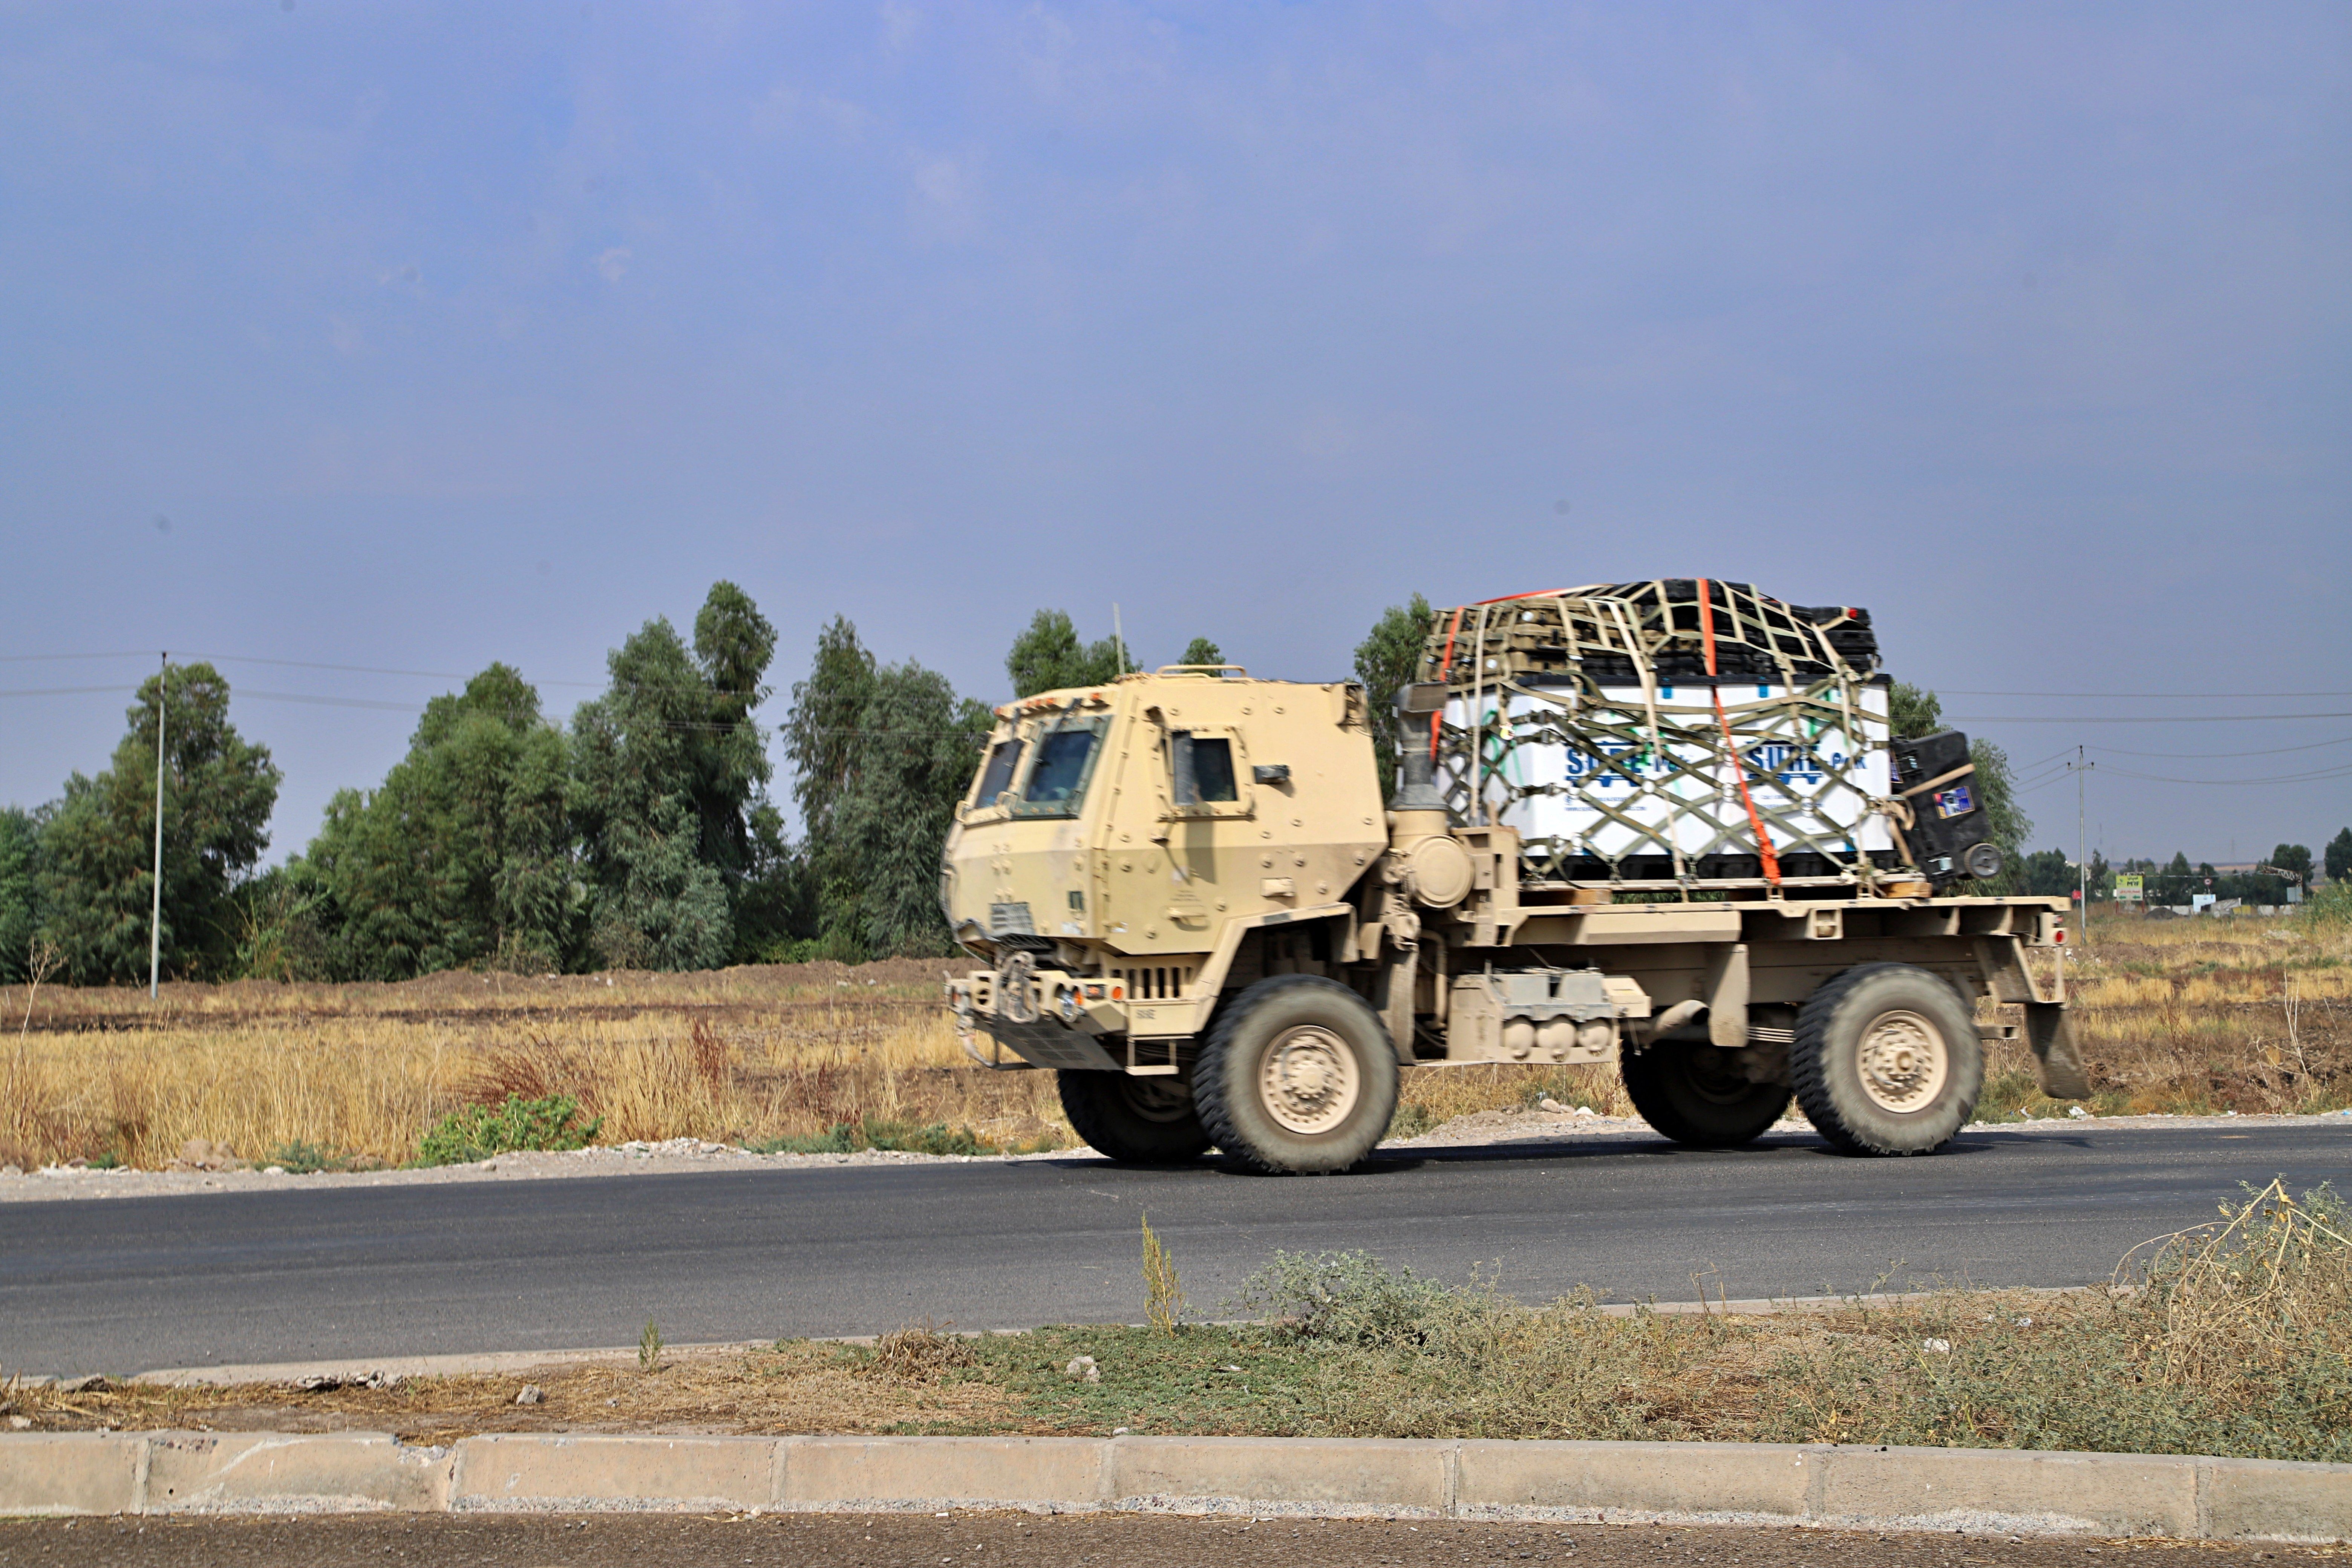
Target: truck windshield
x=1003, y=760
x=1057, y=779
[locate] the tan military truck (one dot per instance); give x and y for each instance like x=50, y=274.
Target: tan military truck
x=1661, y=825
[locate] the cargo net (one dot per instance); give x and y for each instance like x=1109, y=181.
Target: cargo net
x=1657, y=734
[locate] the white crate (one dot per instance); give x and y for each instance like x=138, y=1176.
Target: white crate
x=1585, y=779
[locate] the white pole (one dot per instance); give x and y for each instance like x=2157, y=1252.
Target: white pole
x=2081, y=845
x=156, y=914
x=1119, y=638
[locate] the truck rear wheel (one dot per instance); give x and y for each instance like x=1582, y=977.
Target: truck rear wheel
x=1695, y=1093
x=1887, y=1060
x=1138, y=1121
x=1297, y=1075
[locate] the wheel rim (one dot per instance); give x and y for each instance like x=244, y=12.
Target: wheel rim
x=1903, y=1061
x=1309, y=1081
x=1159, y=1098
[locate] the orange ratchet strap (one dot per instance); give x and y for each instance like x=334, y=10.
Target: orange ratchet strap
x=1442, y=671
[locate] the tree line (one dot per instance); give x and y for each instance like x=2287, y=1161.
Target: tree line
x=2176, y=881
x=644, y=833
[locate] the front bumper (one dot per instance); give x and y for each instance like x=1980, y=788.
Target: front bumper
x=1044, y=1016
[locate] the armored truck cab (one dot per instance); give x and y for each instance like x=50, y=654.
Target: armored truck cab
x=1194, y=908
x=1119, y=840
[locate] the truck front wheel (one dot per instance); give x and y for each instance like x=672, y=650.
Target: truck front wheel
x=1887, y=1060
x=1697, y=1094
x=1297, y=1075
x=1139, y=1121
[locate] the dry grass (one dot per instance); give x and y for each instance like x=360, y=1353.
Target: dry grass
x=361, y=1071
x=2249, y=1292
x=2199, y=1016
x=911, y=1381
x=2181, y=1015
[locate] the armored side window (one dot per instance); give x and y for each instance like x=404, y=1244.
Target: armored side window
x=1003, y=762
x=1204, y=768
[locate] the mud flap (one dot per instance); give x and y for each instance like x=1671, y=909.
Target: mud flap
x=2057, y=1064
x=1392, y=998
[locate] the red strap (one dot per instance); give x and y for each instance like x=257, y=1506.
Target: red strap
x=1530, y=593
x=1739, y=769
x=1441, y=671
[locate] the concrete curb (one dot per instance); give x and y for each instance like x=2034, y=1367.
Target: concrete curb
x=1974, y=1490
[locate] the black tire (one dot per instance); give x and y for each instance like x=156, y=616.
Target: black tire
x=1136, y=1121
x=1325, y=1042
x=1695, y=1093
x=1887, y=1060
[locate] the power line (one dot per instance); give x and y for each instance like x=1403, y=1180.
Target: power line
x=348, y=669
x=452, y=675
x=2313, y=777
x=69, y=658
x=2149, y=695
x=313, y=700
x=2135, y=719
x=63, y=690
x=2267, y=752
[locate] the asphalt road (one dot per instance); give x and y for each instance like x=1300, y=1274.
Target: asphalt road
x=124, y=1285
x=1065, y=1541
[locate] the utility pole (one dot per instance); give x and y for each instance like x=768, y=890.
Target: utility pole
x=156, y=914
x=2081, y=768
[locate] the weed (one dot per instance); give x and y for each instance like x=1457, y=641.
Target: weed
x=839, y=1139
x=649, y=1347
x=843, y=1138
x=2249, y=1293
x=2331, y=906
x=922, y=1351
x=43, y=958
x=2234, y=1341
x=301, y=1159
x=935, y=1139
x=1341, y=1297
x=1163, y=1297
x=1412, y=1120
x=479, y=1131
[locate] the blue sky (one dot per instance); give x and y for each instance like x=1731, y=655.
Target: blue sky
x=413, y=336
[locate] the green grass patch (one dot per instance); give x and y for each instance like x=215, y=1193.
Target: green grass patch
x=479, y=1131
x=301, y=1159
x=1412, y=1120
x=848, y=1138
